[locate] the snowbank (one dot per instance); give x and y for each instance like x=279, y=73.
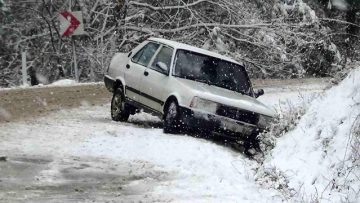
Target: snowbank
x=318, y=158
x=59, y=83
x=65, y=82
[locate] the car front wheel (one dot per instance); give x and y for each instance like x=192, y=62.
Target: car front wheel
x=172, y=121
x=118, y=110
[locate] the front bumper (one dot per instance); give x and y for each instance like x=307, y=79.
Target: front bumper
x=109, y=83
x=209, y=123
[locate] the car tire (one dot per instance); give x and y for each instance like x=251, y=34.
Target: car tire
x=252, y=142
x=172, y=121
x=118, y=110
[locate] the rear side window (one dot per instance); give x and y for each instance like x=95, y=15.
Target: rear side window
x=164, y=56
x=144, y=56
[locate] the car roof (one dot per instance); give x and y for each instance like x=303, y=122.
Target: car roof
x=178, y=45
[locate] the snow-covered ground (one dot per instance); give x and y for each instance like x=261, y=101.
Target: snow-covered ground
x=59, y=83
x=153, y=167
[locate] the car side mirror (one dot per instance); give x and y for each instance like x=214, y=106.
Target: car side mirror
x=259, y=93
x=129, y=54
x=162, y=66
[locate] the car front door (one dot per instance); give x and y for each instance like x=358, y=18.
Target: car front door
x=155, y=79
x=135, y=70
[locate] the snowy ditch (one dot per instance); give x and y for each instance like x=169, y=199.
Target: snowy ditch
x=152, y=166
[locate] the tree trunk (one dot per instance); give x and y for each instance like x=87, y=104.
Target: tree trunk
x=351, y=18
x=352, y=31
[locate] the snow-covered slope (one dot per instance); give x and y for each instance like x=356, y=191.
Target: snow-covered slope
x=320, y=157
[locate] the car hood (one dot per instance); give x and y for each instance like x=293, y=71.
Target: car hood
x=227, y=97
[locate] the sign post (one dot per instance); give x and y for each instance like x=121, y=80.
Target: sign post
x=76, y=70
x=71, y=24
x=24, y=68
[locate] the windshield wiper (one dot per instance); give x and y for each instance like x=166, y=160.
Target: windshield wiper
x=204, y=81
x=244, y=92
x=198, y=80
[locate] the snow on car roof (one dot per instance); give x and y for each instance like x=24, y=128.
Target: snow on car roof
x=178, y=45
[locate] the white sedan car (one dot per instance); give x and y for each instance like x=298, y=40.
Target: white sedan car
x=190, y=88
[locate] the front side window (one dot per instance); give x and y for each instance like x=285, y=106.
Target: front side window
x=144, y=56
x=212, y=71
x=163, y=58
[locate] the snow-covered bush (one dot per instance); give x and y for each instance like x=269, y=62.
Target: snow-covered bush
x=272, y=178
x=356, y=139
x=319, y=59
x=286, y=120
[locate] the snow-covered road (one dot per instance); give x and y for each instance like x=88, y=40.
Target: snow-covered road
x=80, y=155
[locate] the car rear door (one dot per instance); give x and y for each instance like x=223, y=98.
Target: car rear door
x=135, y=70
x=155, y=79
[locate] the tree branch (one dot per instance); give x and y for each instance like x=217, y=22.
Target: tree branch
x=152, y=30
x=134, y=3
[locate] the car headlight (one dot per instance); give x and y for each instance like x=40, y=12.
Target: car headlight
x=264, y=121
x=204, y=105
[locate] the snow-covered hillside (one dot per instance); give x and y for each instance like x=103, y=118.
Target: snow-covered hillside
x=320, y=158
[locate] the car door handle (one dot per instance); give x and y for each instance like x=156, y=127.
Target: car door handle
x=146, y=73
x=127, y=66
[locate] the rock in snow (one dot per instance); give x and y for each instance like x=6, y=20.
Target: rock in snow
x=3, y=158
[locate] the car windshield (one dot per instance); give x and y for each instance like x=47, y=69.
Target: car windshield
x=212, y=71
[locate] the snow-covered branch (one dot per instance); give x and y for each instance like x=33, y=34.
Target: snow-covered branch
x=135, y=3
x=198, y=25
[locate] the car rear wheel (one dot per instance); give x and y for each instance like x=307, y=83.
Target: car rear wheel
x=172, y=123
x=118, y=110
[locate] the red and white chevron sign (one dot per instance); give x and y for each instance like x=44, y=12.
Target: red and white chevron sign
x=71, y=23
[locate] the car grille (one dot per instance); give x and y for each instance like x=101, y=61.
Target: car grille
x=237, y=114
